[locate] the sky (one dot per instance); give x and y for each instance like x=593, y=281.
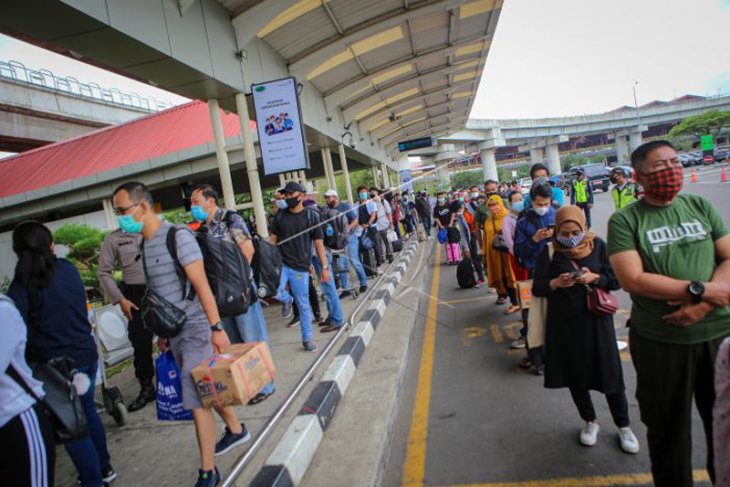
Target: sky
x=574, y=57
x=548, y=57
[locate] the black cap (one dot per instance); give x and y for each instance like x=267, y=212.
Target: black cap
x=292, y=187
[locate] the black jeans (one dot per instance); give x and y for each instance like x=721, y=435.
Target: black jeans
x=378, y=245
x=616, y=403
x=24, y=441
x=140, y=336
x=587, y=211
x=667, y=377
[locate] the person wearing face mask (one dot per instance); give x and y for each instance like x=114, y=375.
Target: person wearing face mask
x=516, y=205
x=532, y=233
x=445, y=217
x=367, y=214
x=624, y=192
x=203, y=333
x=580, y=346
x=499, y=273
x=230, y=226
x=671, y=253
x=424, y=211
x=481, y=214
x=470, y=213
x=383, y=223
x=353, y=244
x=123, y=248
x=582, y=194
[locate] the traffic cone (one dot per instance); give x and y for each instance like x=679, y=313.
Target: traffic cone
x=723, y=175
x=693, y=178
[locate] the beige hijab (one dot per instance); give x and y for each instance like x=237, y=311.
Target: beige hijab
x=570, y=213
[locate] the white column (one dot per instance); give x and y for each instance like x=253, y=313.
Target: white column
x=345, y=173
x=634, y=139
x=374, y=169
x=282, y=180
x=489, y=164
x=622, y=149
x=386, y=176
x=325, y=166
x=536, y=155
x=331, y=180
x=301, y=176
x=224, y=167
x=111, y=221
x=252, y=169
x=553, y=157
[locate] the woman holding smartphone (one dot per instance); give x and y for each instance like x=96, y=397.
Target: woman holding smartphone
x=580, y=346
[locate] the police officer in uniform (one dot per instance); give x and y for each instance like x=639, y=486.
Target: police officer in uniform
x=582, y=195
x=624, y=192
x=120, y=248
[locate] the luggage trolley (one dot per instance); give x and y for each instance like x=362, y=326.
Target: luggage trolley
x=337, y=268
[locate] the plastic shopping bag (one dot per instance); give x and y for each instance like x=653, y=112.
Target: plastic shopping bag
x=442, y=236
x=169, y=390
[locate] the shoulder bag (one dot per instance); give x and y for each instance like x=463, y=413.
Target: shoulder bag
x=599, y=301
x=498, y=242
x=537, y=316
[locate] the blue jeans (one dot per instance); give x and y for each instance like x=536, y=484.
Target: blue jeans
x=90, y=455
x=299, y=286
x=353, y=254
x=249, y=327
x=334, y=308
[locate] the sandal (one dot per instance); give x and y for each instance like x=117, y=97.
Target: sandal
x=513, y=308
x=501, y=300
x=525, y=363
x=260, y=397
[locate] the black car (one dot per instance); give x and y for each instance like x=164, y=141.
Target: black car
x=597, y=173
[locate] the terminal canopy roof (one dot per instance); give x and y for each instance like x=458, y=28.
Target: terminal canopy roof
x=401, y=69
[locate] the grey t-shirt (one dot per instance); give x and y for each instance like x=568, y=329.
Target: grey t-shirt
x=161, y=275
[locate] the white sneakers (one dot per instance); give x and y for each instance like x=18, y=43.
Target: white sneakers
x=629, y=443
x=589, y=437
x=589, y=433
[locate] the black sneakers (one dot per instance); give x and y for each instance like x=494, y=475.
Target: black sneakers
x=231, y=440
x=208, y=478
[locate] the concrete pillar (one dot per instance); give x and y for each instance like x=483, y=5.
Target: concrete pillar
x=229, y=201
x=325, y=164
x=374, y=169
x=111, y=220
x=252, y=168
x=282, y=180
x=634, y=139
x=385, y=175
x=489, y=164
x=301, y=176
x=622, y=149
x=553, y=157
x=536, y=155
x=331, y=168
x=345, y=173
x=442, y=171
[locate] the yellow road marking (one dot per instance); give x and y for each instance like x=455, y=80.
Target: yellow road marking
x=470, y=333
x=497, y=334
x=414, y=468
x=598, y=481
x=509, y=330
x=465, y=300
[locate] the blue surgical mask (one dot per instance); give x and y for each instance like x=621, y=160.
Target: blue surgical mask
x=198, y=213
x=442, y=201
x=128, y=224
x=461, y=199
x=281, y=204
x=518, y=206
x=363, y=195
x=571, y=241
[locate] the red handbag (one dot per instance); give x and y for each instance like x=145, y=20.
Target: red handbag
x=600, y=301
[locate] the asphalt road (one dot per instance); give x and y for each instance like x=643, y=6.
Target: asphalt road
x=470, y=416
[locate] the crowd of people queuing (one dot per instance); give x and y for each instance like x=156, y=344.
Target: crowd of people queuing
x=669, y=250
x=45, y=315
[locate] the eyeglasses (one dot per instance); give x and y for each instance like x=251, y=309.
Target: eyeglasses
x=119, y=211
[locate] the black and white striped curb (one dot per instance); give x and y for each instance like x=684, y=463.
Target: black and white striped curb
x=291, y=457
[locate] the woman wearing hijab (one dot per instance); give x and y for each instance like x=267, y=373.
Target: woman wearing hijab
x=499, y=272
x=580, y=346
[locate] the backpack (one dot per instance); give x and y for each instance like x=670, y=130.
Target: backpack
x=266, y=265
x=334, y=229
x=465, y=273
x=228, y=271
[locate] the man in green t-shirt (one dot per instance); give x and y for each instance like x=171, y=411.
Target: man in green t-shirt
x=671, y=252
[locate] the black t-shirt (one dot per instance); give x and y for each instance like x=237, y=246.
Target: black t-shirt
x=443, y=213
x=296, y=251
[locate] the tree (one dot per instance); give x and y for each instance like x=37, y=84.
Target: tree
x=83, y=243
x=708, y=123
x=467, y=179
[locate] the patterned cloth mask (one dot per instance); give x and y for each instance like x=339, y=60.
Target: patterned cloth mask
x=571, y=241
x=665, y=184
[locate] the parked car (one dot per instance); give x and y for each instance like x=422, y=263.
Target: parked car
x=686, y=160
x=597, y=173
x=525, y=185
x=721, y=154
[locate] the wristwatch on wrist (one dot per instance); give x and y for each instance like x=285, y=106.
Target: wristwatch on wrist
x=696, y=289
x=325, y=267
x=217, y=327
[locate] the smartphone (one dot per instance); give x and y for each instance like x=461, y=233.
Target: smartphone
x=577, y=274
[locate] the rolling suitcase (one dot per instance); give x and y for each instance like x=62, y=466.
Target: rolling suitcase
x=465, y=274
x=367, y=257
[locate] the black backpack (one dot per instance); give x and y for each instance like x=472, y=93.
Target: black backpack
x=465, y=273
x=266, y=265
x=228, y=271
x=336, y=224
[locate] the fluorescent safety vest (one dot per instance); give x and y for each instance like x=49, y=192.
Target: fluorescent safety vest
x=623, y=198
x=581, y=191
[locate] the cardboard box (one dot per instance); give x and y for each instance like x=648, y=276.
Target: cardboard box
x=235, y=376
x=524, y=293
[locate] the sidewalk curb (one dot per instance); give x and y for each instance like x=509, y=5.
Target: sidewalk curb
x=288, y=462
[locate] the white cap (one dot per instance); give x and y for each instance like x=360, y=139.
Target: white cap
x=331, y=192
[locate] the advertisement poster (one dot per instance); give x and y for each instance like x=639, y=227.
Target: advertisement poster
x=405, y=180
x=279, y=125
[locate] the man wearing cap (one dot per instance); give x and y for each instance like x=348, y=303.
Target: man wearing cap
x=582, y=194
x=624, y=192
x=294, y=232
x=423, y=208
x=353, y=244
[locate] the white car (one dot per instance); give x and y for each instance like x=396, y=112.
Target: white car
x=525, y=185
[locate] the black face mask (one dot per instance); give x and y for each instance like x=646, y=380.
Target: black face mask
x=331, y=204
x=614, y=179
x=292, y=202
